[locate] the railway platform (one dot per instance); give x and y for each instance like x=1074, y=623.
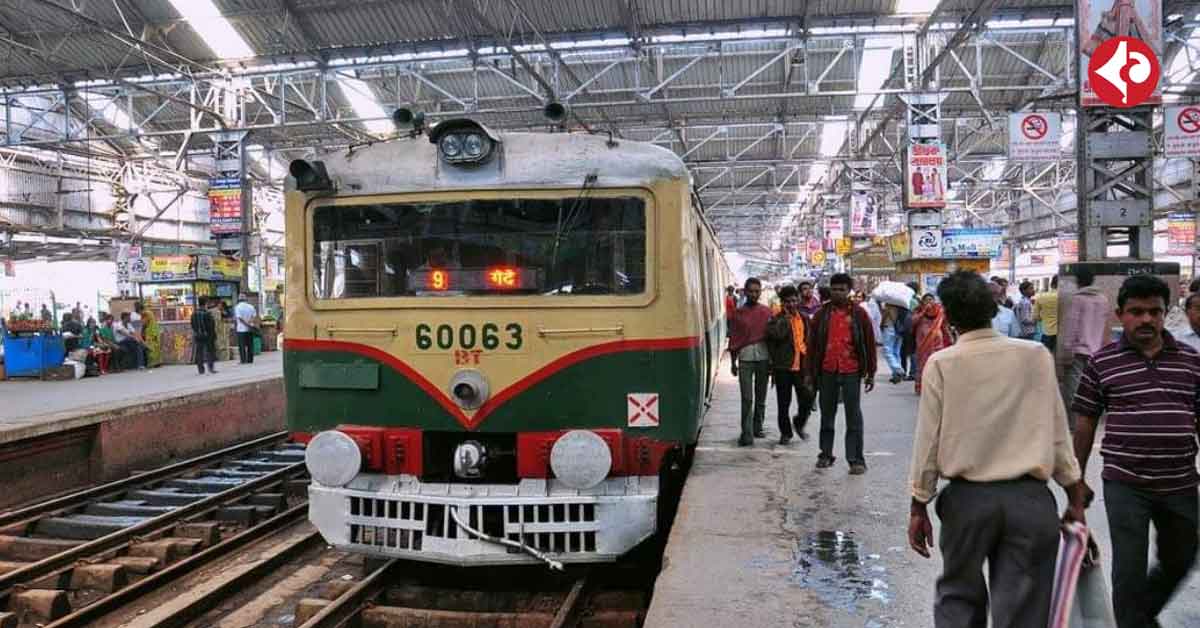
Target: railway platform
x=58, y=435
x=763, y=538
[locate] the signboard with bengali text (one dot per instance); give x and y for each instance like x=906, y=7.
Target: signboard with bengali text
x=925, y=175
x=1181, y=233
x=1034, y=136
x=1181, y=131
x=171, y=267
x=1068, y=249
x=225, y=205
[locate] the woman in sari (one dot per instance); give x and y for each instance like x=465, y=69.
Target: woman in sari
x=932, y=331
x=151, y=333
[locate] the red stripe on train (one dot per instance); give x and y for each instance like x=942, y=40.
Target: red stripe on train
x=514, y=389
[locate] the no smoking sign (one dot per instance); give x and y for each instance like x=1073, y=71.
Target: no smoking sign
x=1181, y=131
x=1035, y=136
x=1189, y=120
x=1034, y=127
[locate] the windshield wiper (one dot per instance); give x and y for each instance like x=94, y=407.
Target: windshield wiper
x=588, y=182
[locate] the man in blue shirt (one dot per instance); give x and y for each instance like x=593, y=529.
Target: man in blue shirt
x=1005, y=322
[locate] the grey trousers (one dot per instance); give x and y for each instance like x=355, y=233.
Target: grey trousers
x=1013, y=526
x=753, y=379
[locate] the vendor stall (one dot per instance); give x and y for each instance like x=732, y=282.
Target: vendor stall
x=171, y=286
x=31, y=348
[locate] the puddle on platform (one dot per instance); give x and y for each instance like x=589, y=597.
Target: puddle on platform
x=831, y=564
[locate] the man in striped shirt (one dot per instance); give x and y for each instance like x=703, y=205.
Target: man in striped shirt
x=1148, y=384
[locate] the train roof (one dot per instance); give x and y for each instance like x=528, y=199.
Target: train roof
x=523, y=160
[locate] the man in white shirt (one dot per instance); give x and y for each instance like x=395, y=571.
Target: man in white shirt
x=1190, y=333
x=129, y=340
x=999, y=450
x=1005, y=322
x=245, y=315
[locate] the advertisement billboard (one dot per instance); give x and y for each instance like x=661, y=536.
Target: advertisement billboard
x=225, y=205
x=925, y=176
x=864, y=215
x=1181, y=233
x=899, y=247
x=983, y=243
x=833, y=231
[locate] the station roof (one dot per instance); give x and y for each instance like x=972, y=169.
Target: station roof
x=764, y=99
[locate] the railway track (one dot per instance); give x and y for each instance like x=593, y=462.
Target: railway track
x=223, y=540
x=71, y=559
x=397, y=594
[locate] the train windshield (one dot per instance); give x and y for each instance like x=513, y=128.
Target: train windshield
x=520, y=246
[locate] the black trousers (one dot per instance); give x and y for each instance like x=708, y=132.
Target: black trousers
x=246, y=347
x=786, y=383
x=206, y=353
x=1139, y=596
x=848, y=389
x=1011, y=525
x=1051, y=342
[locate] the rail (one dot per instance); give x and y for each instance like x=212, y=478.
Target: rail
x=65, y=559
x=198, y=605
x=102, y=491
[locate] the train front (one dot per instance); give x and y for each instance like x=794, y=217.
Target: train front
x=483, y=354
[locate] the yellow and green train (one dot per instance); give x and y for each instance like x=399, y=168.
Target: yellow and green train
x=497, y=343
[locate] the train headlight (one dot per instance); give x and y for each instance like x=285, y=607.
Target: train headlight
x=469, y=459
x=580, y=459
x=464, y=142
x=473, y=144
x=469, y=389
x=451, y=146
x=332, y=458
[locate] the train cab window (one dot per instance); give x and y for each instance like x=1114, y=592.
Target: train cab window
x=527, y=246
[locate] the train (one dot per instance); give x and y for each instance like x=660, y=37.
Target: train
x=498, y=346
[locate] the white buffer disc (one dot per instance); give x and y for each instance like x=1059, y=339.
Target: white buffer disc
x=580, y=459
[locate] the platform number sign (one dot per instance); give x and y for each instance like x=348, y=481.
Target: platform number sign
x=642, y=409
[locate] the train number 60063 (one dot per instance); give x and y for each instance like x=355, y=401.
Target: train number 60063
x=489, y=336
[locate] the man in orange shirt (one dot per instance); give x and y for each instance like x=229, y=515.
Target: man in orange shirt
x=786, y=343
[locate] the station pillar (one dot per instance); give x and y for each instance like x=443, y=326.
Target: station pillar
x=1115, y=181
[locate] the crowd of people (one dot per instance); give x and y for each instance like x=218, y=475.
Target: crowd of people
x=993, y=451
x=132, y=340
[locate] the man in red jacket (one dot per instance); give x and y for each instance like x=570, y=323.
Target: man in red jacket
x=841, y=360
x=750, y=359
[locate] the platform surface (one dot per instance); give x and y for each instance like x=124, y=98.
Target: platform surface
x=29, y=407
x=763, y=538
